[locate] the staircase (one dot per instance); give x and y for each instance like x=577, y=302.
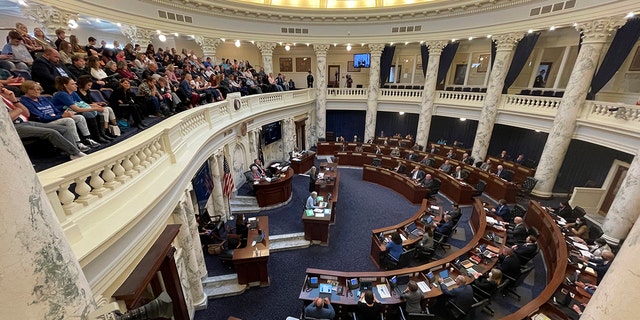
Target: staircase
x=244, y=204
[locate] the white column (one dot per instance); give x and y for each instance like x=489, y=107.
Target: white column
x=374, y=89
x=625, y=209
x=138, y=35
x=595, y=34
x=51, y=19
x=40, y=275
x=563, y=63
x=468, y=71
x=208, y=46
x=289, y=136
x=219, y=201
x=321, y=85
x=189, y=241
x=266, y=49
x=429, y=92
x=615, y=296
x=505, y=44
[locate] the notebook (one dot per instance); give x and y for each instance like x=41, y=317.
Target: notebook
x=444, y=275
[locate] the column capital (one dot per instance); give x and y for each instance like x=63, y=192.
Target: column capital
x=266, y=48
x=138, y=35
x=506, y=41
x=51, y=18
x=599, y=30
x=376, y=49
x=435, y=47
x=207, y=44
x=321, y=49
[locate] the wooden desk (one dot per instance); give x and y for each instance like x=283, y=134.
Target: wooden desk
x=316, y=229
x=520, y=172
x=398, y=182
x=251, y=266
x=275, y=192
x=303, y=163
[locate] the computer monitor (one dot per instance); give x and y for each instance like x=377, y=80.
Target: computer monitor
x=353, y=284
x=365, y=285
x=444, y=274
x=312, y=282
x=429, y=219
x=411, y=227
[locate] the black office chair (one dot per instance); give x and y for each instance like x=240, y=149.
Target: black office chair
x=519, y=211
x=376, y=162
x=440, y=242
x=355, y=316
x=478, y=164
x=403, y=262
x=415, y=316
x=525, y=92
x=509, y=175
x=595, y=232
x=424, y=253
x=515, y=283
x=528, y=185
x=579, y=212
x=232, y=242
x=457, y=313
x=480, y=188
x=431, y=162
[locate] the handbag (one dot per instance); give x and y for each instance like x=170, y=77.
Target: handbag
x=114, y=130
x=123, y=123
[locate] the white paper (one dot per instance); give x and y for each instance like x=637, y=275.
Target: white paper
x=424, y=287
x=383, y=291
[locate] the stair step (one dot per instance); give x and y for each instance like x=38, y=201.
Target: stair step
x=223, y=286
x=291, y=241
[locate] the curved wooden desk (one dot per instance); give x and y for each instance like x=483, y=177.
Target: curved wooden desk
x=303, y=163
x=274, y=192
x=398, y=182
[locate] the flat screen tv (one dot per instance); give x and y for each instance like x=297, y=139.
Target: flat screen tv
x=362, y=60
x=272, y=132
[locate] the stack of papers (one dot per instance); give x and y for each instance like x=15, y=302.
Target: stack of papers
x=309, y=212
x=383, y=291
x=424, y=287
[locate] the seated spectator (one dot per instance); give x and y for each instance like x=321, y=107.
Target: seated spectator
x=451, y=154
x=90, y=48
x=67, y=98
x=459, y=174
x=368, y=306
x=252, y=86
x=166, y=90
x=39, y=34
x=274, y=84
x=58, y=135
x=47, y=68
x=60, y=36
x=79, y=68
x=99, y=74
x=579, y=228
x=84, y=84
x=129, y=53
x=41, y=109
x=395, y=152
x=503, y=211
x=122, y=101
x=20, y=55
x=486, y=166
x=152, y=98
x=125, y=73
x=520, y=159
x=30, y=43
x=519, y=232
x=509, y=263
x=171, y=74
x=455, y=213
x=214, y=85
x=111, y=68
x=150, y=71
x=489, y=283
x=445, y=167
x=75, y=45
x=504, y=156
x=412, y=298
x=426, y=242
x=461, y=296
x=527, y=250
x=66, y=53
x=320, y=309
x=187, y=93
x=466, y=159
x=445, y=227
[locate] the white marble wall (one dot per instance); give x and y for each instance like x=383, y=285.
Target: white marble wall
x=374, y=89
x=266, y=49
x=288, y=136
x=39, y=273
x=595, y=34
x=505, y=44
x=625, y=209
x=321, y=85
x=429, y=92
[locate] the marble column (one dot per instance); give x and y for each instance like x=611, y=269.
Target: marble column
x=40, y=275
x=50, y=18
x=189, y=241
x=505, y=44
x=595, y=34
x=429, y=92
x=321, y=98
x=373, y=91
x=289, y=136
x=618, y=289
x=138, y=35
x=625, y=209
x=266, y=50
x=220, y=203
x=208, y=46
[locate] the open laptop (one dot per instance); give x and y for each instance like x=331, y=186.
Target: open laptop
x=412, y=231
x=325, y=290
x=448, y=281
x=399, y=283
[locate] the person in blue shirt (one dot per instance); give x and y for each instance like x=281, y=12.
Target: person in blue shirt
x=503, y=211
x=394, y=247
x=320, y=309
x=311, y=201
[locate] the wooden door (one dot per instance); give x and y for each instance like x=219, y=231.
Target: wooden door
x=301, y=137
x=333, y=76
x=621, y=173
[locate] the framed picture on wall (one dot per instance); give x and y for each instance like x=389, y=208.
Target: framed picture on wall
x=542, y=75
x=286, y=64
x=635, y=63
x=483, y=62
x=351, y=68
x=303, y=64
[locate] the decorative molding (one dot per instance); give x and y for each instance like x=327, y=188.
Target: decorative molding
x=376, y=49
x=435, y=47
x=599, y=30
x=138, y=35
x=266, y=48
x=207, y=44
x=321, y=49
x=506, y=41
x=51, y=18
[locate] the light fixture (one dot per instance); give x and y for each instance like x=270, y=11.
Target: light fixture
x=176, y=34
x=222, y=39
x=537, y=130
x=73, y=24
x=488, y=36
x=98, y=20
x=406, y=43
x=421, y=42
x=348, y=46
x=158, y=32
x=237, y=43
x=453, y=40
x=252, y=42
x=119, y=24
x=552, y=28
x=287, y=47
x=162, y=37
x=630, y=15
x=401, y=112
x=192, y=36
x=335, y=44
x=463, y=119
x=390, y=43
x=280, y=43
x=530, y=31
x=470, y=38
x=308, y=44
x=22, y=3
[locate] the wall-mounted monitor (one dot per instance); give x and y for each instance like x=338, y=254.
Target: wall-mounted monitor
x=362, y=60
x=272, y=132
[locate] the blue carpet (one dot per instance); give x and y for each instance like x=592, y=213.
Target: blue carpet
x=362, y=207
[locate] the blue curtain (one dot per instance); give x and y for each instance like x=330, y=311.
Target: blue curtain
x=394, y=122
x=385, y=63
x=446, y=59
x=520, y=58
x=424, y=52
x=346, y=123
x=620, y=48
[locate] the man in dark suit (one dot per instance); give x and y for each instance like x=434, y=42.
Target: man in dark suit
x=503, y=211
x=519, y=233
x=466, y=159
x=445, y=227
x=510, y=264
x=601, y=267
x=504, y=156
x=428, y=181
x=460, y=174
x=462, y=296
x=258, y=165
x=416, y=175
x=445, y=167
x=46, y=68
x=502, y=173
x=455, y=213
x=526, y=251
x=411, y=156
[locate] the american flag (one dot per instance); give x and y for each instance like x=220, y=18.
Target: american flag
x=228, y=180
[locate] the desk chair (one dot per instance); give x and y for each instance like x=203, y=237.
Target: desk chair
x=515, y=283
x=424, y=253
x=527, y=186
x=458, y=314
x=355, y=316
x=441, y=242
x=518, y=211
x=480, y=188
x=415, y=316
x=479, y=295
x=232, y=242
x=402, y=262
x=435, y=188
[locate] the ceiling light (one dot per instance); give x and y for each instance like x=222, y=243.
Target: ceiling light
x=222, y=39
x=488, y=36
x=335, y=44
x=630, y=15
x=287, y=47
x=98, y=20
x=193, y=37
x=349, y=47
x=158, y=31
x=119, y=24
x=463, y=119
x=401, y=112
x=176, y=34
x=575, y=24
x=252, y=42
x=162, y=38
x=552, y=28
x=294, y=44
x=22, y=3
x=280, y=43
x=406, y=43
x=390, y=43
x=530, y=31
x=237, y=43
x=453, y=40
x=537, y=130
x=73, y=24
x=421, y=42
x=308, y=44
x=470, y=38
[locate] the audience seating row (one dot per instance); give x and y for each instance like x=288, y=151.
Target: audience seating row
x=544, y=93
x=466, y=89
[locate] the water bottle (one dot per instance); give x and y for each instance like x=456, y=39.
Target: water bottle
x=576, y=276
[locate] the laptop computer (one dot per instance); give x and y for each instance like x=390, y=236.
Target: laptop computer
x=444, y=275
x=399, y=283
x=325, y=290
x=412, y=230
